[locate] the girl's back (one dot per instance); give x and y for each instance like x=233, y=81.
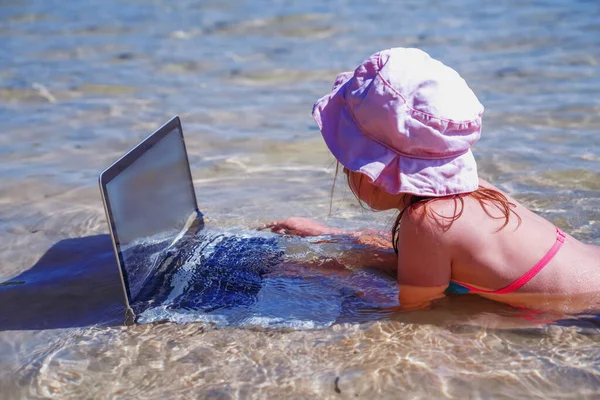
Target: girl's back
x=490, y=258
x=402, y=126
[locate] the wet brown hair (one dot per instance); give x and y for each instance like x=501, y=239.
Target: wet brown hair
x=485, y=196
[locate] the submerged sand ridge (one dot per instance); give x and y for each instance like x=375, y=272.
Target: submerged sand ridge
x=382, y=359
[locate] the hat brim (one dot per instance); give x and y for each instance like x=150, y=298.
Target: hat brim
x=393, y=172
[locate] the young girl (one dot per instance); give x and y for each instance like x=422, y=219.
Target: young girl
x=402, y=126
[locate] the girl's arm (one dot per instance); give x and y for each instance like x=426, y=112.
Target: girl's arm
x=424, y=260
x=423, y=265
x=374, y=248
x=299, y=226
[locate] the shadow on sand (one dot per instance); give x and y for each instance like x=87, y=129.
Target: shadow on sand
x=75, y=283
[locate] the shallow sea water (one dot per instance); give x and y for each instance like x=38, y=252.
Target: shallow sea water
x=81, y=83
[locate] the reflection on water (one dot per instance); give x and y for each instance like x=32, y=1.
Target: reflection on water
x=206, y=273
x=251, y=279
x=82, y=82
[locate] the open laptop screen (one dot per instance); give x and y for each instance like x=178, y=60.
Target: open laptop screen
x=149, y=199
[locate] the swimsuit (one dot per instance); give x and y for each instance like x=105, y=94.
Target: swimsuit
x=462, y=288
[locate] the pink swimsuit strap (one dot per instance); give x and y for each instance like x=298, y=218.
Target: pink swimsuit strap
x=560, y=240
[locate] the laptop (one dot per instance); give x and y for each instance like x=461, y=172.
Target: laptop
x=166, y=259
x=148, y=192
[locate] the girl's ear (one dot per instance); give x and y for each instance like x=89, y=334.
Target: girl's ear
x=355, y=186
x=352, y=184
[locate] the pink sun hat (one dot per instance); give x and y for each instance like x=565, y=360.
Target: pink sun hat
x=406, y=121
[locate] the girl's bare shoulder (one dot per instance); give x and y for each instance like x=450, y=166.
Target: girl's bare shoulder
x=431, y=219
x=455, y=221
x=437, y=214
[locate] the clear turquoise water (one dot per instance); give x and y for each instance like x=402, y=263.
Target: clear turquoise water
x=82, y=83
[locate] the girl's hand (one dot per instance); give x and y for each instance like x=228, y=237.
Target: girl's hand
x=300, y=227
